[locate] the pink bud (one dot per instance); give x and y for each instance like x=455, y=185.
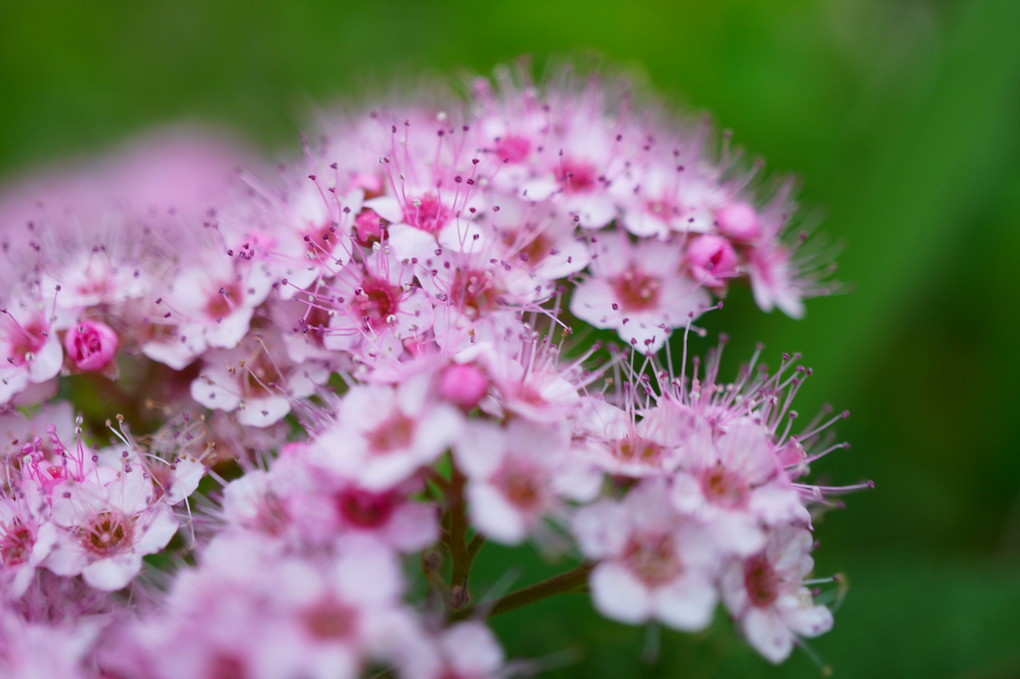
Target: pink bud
x=463, y=385
x=369, y=228
x=91, y=345
x=738, y=221
x=711, y=259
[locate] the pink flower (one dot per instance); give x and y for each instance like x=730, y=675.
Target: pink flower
x=766, y=593
x=517, y=475
x=711, y=260
x=91, y=345
x=384, y=434
x=636, y=289
x=655, y=564
x=30, y=351
x=108, y=526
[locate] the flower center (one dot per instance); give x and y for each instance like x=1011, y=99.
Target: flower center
x=722, y=487
x=226, y=299
x=320, y=241
x=26, y=341
x=110, y=532
x=473, y=292
x=637, y=449
x=426, y=213
x=761, y=580
x=329, y=620
x=635, y=290
x=576, y=176
x=394, y=434
x=15, y=544
x=365, y=509
x=522, y=488
x=377, y=302
x=652, y=558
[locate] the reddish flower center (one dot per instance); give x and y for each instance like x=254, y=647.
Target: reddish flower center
x=15, y=544
x=652, y=558
x=659, y=208
x=365, y=509
x=329, y=620
x=226, y=299
x=26, y=341
x=538, y=249
x=637, y=449
x=320, y=241
x=226, y=666
x=314, y=324
x=761, y=580
x=722, y=487
x=377, y=301
x=261, y=376
x=576, y=176
x=635, y=290
x=394, y=434
x=473, y=292
x=522, y=488
x=426, y=213
x=513, y=148
x=110, y=532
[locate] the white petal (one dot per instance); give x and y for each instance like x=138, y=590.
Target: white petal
x=617, y=594
x=495, y=516
x=161, y=528
x=686, y=604
x=112, y=573
x=767, y=633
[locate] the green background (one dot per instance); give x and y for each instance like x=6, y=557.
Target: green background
x=901, y=120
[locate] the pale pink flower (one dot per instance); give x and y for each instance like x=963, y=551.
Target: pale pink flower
x=256, y=379
x=108, y=525
x=36, y=649
x=466, y=650
x=30, y=351
x=373, y=306
x=655, y=563
x=26, y=539
x=766, y=594
x=517, y=475
x=219, y=294
x=624, y=442
x=385, y=434
x=638, y=290
x=733, y=481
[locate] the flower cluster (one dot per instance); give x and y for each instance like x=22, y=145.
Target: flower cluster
x=318, y=381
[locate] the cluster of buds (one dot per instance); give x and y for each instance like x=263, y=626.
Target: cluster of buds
x=343, y=378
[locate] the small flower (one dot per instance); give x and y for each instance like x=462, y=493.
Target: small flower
x=91, y=345
x=766, y=593
x=108, y=527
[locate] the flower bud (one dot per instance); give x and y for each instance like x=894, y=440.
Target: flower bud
x=738, y=221
x=711, y=259
x=463, y=385
x=91, y=345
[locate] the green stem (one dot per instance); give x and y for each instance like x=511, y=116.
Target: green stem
x=570, y=581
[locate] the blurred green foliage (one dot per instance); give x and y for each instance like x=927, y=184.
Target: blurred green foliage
x=900, y=117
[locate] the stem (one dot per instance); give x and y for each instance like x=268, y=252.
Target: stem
x=460, y=558
x=563, y=583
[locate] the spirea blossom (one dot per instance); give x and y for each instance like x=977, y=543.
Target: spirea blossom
x=259, y=423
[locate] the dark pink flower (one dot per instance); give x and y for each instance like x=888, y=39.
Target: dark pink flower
x=91, y=345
